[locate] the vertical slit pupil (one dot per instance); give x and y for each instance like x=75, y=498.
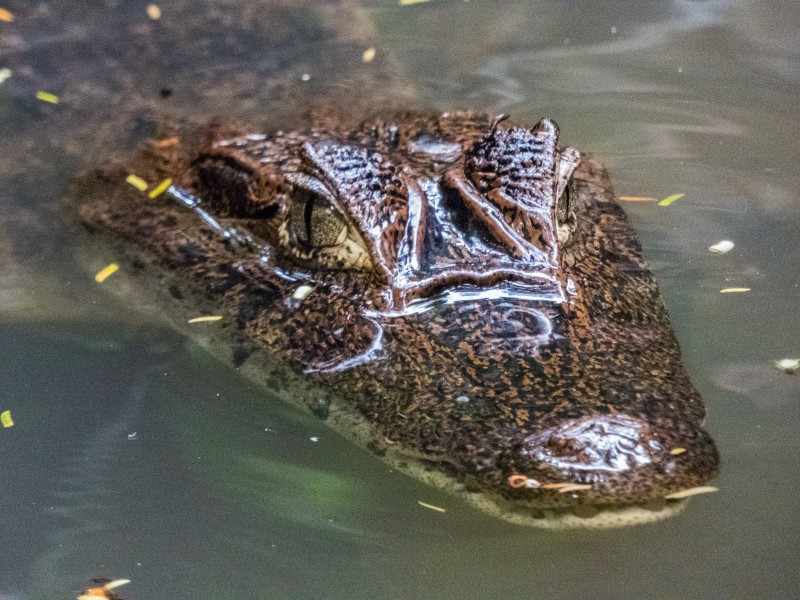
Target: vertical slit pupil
x=307, y=215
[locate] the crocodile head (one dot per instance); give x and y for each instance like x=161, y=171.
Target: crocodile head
x=469, y=289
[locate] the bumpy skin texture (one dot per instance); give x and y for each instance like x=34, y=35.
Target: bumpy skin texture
x=500, y=320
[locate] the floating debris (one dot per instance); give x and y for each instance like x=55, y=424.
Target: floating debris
x=302, y=292
x=574, y=487
x=790, y=365
x=520, y=481
x=160, y=188
x=721, y=247
x=637, y=199
x=104, y=591
x=369, y=55
x=431, y=506
x=554, y=486
x=106, y=273
x=563, y=488
x=734, y=290
x=670, y=199
x=6, y=15
x=154, y=12
x=166, y=142
x=207, y=319
x=47, y=97
x=410, y=2
x=517, y=481
x=677, y=451
x=703, y=489
x=5, y=418
x=305, y=77
x=5, y=73
x=137, y=182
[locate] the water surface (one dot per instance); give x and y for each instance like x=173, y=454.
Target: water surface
x=135, y=454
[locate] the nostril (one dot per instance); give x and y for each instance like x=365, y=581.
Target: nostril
x=619, y=458
x=595, y=443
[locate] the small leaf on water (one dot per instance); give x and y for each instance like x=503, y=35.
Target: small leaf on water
x=137, y=182
x=431, y=506
x=368, y=55
x=160, y=188
x=207, y=319
x=703, y=489
x=670, y=199
x=106, y=273
x=721, y=247
x=47, y=97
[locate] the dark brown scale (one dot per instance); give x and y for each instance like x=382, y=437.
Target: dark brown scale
x=478, y=337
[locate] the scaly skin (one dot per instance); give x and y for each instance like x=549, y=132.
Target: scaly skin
x=490, y=312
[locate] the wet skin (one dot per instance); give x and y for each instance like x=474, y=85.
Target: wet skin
x=470, y=290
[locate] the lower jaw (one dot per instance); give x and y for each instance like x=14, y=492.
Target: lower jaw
x=579, y=516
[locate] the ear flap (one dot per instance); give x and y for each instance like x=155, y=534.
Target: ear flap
x=233, y=188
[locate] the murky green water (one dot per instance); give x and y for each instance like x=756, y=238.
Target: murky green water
x=137, y=455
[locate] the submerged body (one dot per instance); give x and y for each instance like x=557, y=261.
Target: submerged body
x=472, y=292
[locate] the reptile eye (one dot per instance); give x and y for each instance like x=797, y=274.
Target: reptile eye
x=313, y=220
x=317, y=231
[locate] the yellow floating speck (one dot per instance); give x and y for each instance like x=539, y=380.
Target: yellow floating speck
x=431, y=506
x=137, y=182
x=677, y=451
x=670, y=199
x=106, y=273
x=734, y=290
x=160, y=188
x=637, y=199
x=6, y=15
x=154, y=12
x=205, y=319
x=5, y=73
x=703, y=489
x=368, y=55
x=409, y=2
x=47, y=97
x=5, y=418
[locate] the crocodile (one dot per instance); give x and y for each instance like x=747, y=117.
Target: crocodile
x=467, y=291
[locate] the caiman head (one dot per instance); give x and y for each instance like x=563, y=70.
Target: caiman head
x=473, y=292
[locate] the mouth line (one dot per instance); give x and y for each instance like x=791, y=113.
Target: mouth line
x=530, y=513
x=581, y=516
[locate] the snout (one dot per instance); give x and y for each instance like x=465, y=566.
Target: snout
x=610, y=459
